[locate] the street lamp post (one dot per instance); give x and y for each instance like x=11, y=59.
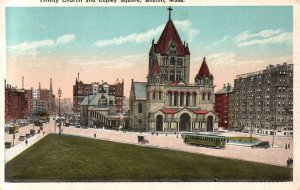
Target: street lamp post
x=273, y=135
x=59, y=94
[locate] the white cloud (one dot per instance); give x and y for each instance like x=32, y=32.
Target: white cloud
x=35, y=46
x=223, y=40
x=184, y=26
x=264, y=37
x=65, y=39
x=221, y=58
x=264, y=33
x=280, y=38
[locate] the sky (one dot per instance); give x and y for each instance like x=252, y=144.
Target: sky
x=110, y=43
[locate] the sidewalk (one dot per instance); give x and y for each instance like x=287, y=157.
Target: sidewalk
x=12, y=152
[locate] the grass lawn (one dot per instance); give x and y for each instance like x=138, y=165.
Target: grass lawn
x=70, y=158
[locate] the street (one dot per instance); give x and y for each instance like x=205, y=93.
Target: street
x=276, y=156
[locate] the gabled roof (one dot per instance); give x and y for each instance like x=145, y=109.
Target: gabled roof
x=168, y=35
x=203, y=71
x=140, y=91
x=87, y=99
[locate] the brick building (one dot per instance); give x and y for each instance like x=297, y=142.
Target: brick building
x=222, y=105
x=263, y=101
x=43, y=99
x=16, y=104
x=81, y=90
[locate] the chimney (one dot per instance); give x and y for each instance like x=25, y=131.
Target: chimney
x=39, y=85
x=51, y=84
x=228, y=86
x=78, y=76
x=22, y=82
x=4, y=83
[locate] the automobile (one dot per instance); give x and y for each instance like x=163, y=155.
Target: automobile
x=77, y=125
x=22, y=138
x=261, y=144
x=28, y=135
x=38, y=123
x=8, y=144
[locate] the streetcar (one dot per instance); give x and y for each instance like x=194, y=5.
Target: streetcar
x=212, y=140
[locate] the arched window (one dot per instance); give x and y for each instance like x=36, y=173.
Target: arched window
x=181, y=98
x=175, y=98
x=187, y=101
x=203, y=96
x=153, y=95
x=159, y=95
x=140, y=108
x=194, y=96
x=172, y=61
x=208, y=96
x=170, y=98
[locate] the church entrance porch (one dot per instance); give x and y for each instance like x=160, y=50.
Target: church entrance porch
x=184, y=124
x=210, y=123
x=159, y=123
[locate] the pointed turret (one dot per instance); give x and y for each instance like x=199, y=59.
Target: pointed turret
x=155, y=69
x=204, y=77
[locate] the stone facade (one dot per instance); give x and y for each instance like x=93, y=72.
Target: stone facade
x=263, y=101
x=81, y=90
x=167, y=102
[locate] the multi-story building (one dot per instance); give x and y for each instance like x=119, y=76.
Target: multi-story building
x=15, y=103
x=99, y=109
x=222, y=105
x=43, y=100
x=263, y=101
x=81, y=90
x=167, y=102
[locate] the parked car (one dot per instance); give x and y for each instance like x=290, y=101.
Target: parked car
x=262, y=144
x=22, y=138
x=8, y=144
x=38, y=123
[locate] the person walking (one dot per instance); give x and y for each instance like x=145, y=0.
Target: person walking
x=215, y=179
x=94, y=135
x=289, y=146
x=26, y=142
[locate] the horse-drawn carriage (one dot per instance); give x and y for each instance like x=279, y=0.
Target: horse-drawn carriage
x=141, y=139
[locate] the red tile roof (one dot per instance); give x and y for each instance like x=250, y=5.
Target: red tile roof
x=200, y=111
x=169, y=111
x=170, y=33
x=203, y=71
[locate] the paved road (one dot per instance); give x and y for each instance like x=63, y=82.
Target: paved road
x=276, y=156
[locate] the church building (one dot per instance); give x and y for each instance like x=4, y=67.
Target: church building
x=167, y=101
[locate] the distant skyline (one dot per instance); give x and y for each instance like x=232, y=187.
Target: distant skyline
x=106, y=43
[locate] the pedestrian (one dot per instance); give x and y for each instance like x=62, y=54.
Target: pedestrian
x=94, y=135
x=156, y=133
x=26, y=142
x=285, y=146
x=43, y=133
x=166, y=134
x=215, y=179
x=177, y=136
x=289, y=146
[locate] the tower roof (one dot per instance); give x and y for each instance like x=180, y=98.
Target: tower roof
x=168, y=35
x=203, y=71
x=155, y=66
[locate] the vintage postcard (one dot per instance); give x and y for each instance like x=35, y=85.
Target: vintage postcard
x=129, y=94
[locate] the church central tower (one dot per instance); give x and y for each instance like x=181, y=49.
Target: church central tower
x=169, y=58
